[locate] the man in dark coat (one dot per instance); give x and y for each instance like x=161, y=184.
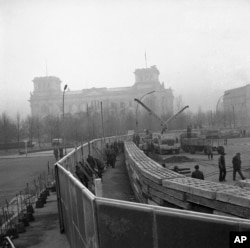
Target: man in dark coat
x=197, y=173
x=222, y=167
x=237, y=166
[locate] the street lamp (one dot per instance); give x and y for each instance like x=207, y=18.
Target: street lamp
x=65, y=87
x=227, y=93
x=136, y=110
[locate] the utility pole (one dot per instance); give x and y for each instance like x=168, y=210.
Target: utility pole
x=65, y=87
x=103, y=135
x=88, y=128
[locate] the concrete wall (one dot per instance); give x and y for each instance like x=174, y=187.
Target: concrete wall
x=89, y=221
x=154, y=184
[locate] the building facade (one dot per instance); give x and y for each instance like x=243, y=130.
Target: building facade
x=236, y=103
x=47, y=97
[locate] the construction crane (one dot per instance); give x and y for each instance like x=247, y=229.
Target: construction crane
x=164, y=124
x=163, y=142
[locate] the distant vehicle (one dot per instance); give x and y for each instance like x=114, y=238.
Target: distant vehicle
x=163, y=142
x=131, y=132
x=211, y=133
x=146, y=144
x=200, y=144
x=166, y=143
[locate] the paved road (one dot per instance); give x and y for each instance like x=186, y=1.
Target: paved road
x=210, y=167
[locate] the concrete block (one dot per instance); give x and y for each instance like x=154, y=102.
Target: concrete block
x=244, y=183
x=237, y=196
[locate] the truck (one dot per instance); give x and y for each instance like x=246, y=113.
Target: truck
x=163, y=142
x=166, y=143
x=201, y=144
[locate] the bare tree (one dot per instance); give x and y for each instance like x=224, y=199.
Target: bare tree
x=30, y=127
x=38, y=129
x=18, y=128
x=6, y=129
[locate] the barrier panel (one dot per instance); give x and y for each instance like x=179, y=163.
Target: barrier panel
x=76, y=210
x=90, y=221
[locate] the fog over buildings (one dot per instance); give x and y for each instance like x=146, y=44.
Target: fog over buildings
x=201, y=48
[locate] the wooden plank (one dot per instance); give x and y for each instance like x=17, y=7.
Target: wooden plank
x=175, y=193
x=151, y=202
x=169, y=198
x=220, y=206
x=201, y=209
x=223, y=213
x=159, y=201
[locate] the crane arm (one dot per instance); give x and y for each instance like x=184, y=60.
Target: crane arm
x=175, y=115
x=150, y=111
x=164, y=124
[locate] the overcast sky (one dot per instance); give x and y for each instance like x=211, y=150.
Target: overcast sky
x=201, y=48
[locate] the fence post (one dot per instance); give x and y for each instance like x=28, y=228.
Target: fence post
x=59, y=203
x=98, y=187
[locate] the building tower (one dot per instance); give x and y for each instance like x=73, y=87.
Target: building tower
x=44, y=99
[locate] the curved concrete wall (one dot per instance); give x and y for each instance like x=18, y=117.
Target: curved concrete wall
x=89, y=221
x=154, y=184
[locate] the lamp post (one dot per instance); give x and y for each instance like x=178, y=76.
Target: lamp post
x=65, y=87
x=136, y=110
x=227, y=93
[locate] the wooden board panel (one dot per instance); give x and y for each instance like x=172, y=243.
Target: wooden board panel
x=175, y=193
x=170, y=199
x=221, y=206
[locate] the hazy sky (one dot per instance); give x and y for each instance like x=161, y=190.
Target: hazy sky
x=200, y=47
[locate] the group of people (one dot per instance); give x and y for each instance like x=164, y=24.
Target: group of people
x=236, y=161
x=58, y=152
x=111, y=152
x=243, y=133
x=85, y=171
x=94, y=167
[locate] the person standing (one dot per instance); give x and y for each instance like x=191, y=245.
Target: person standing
x=56, y=153
x=209, y=151
x=237, y=166
x=222, y=167
x=197, y=173
x=61, y=152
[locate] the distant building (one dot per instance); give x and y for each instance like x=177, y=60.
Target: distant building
x=236, y=103
x=46, y=98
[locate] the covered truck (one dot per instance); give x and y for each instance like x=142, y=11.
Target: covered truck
x=201, y=144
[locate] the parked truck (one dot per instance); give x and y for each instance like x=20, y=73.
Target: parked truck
x=201, y=144
x=166, y=143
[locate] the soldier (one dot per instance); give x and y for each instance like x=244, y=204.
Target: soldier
x=56, y=153
x=237, y=166
x=222, y=167
x=209, y=151
x=61, y=152
x=197, y=173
